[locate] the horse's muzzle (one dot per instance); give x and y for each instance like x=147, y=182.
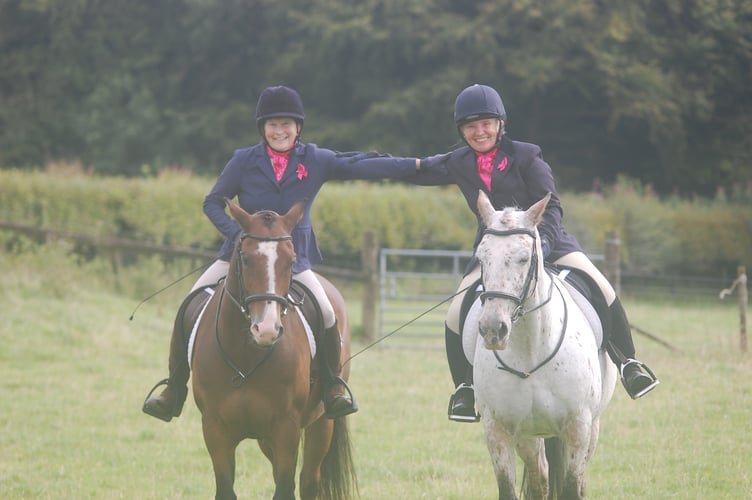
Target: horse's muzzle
x=495, y=334
x=264, y=336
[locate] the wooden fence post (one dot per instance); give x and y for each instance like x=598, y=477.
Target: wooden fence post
x=370, y=264
x=743, y=300
x=613, y=260
x=741, y=283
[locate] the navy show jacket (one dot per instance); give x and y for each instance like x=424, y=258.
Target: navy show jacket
x=524, y=180
x=249, y=176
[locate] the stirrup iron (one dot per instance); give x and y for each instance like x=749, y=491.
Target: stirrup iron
x=455, y=417
x=353, y=403
x=645, y=369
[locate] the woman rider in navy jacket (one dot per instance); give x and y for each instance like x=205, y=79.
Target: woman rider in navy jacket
x=514, y=173
x=274, y=175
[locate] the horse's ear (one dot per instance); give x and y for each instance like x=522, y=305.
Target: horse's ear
x=293, y=216
x=485, y=209
x=236, y=211
x=535, y=212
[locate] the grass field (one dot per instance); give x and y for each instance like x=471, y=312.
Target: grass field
x=74, y=371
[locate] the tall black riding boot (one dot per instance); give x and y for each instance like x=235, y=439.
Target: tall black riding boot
x=336, y=403
x=462, y=402
x=170, y=402
x=636, y=377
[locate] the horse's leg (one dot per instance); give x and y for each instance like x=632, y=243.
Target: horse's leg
x=576, y=442
x=318, y=438
x=594, y=432
x=283, y=443
x=533, y=454
x=501, y=447
x=221, y=449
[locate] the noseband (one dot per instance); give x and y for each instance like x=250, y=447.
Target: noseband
x=532, y=276
x=244, y=304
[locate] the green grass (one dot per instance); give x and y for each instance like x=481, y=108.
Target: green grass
x=74, y=371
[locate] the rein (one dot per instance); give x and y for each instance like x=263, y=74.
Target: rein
x=530, y=279
x=505, y=367
x=243, y=306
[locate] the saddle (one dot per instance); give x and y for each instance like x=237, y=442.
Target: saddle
x=302, y=298
x=582, y=287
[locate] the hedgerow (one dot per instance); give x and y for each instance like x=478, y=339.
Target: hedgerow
x=656, y=235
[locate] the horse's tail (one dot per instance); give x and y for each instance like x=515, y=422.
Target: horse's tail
x=556, y=470
x=555, y=459
x=338, y=478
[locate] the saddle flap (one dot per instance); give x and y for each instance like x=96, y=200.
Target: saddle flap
x=588, y=296
x=587, y=310
x=305, y=301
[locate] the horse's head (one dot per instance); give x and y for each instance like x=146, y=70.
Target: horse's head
x=511, y=261
x=261, y=269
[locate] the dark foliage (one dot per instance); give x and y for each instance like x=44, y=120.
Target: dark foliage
x=654, y=89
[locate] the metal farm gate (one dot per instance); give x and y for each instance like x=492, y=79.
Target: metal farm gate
x=412, y=282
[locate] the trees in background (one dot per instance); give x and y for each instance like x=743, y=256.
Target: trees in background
x=657, y=90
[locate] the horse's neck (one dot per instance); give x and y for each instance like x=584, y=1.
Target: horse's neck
x=540, y=319
x=232, y=294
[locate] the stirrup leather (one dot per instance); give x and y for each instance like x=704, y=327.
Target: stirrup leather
x=645, y=369
x=472, y=415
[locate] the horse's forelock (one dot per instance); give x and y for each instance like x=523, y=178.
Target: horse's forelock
x=268, y=217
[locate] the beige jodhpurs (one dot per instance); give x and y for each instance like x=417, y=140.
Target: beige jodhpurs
x=577, y=260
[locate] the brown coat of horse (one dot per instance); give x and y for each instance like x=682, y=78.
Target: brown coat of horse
x=253, y=376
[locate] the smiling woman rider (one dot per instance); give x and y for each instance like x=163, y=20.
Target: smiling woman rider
x=273, y=175
x=514, y=173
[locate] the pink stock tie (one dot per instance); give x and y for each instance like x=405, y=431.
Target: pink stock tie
x=279, y=162
x=485, y=166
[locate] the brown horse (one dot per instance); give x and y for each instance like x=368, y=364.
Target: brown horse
x=253, y=372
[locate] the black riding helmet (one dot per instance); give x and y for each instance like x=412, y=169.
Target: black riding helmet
x=279, y=102
x=477, y=102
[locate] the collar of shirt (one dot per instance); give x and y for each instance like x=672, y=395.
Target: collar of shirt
x=279, y=162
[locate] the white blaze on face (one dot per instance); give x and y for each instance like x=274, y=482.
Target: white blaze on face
x=269, y=250
x=265, y=330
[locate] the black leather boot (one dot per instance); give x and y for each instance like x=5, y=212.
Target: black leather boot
x=338, y=397
x=462, y=402
x=170, y=401
x=636, y=377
